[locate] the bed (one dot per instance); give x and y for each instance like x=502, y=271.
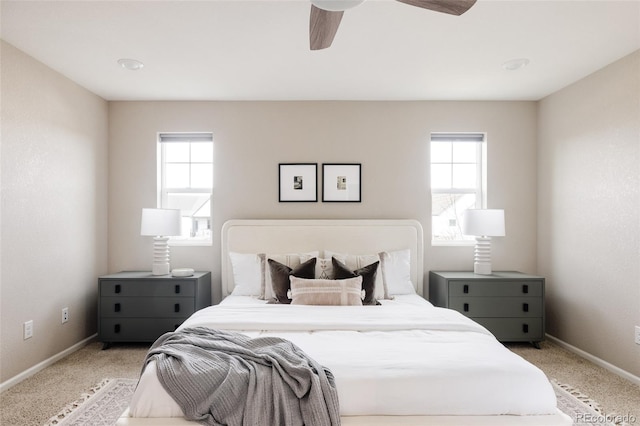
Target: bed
x=403, y=362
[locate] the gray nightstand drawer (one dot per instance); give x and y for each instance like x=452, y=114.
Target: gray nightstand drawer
x=497, y=306
x=136, y=306
x=495, y=288
x=143, y=288
x=168, y=307
x=136, y=329
x=514, y=329
x=510, y=304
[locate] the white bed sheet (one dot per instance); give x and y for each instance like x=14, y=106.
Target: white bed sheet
x=404, y=358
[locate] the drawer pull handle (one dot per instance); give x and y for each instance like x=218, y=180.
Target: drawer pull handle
x=117, y=288
x=177, y=288
x=525, y=288
x=525, y=307
x=176, y=307
x=116, y=328
x=116, y=307
x=466, y=307
x=525, y=328
x=465, y=289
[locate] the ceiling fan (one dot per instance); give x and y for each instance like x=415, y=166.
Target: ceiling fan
x=327, y=14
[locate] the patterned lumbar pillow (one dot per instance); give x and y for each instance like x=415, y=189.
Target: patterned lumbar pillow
x=347, y=292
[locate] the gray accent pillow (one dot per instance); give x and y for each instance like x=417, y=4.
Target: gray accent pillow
x=280, y=277
x=368, y=274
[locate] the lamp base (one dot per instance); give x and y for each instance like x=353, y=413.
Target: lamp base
x=482, y=269
x=160, y=269
x=482, y=256
x=160, y=256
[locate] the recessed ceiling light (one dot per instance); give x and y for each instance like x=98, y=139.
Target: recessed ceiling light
x=130, y=64
x=515, y=64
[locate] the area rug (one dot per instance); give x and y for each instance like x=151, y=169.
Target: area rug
x=105, y=403
x=101, y=406
x=582, y=409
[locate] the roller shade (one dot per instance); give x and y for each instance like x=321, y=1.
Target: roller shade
x=185, y=137
x=457, y=137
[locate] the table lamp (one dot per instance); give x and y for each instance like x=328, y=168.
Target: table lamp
x=161, y=224
x=484, y=224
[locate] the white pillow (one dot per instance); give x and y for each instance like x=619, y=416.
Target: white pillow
x=396, y=272
x=354, y=262
x=347, y=292
x=247, y=274
x=291, y=260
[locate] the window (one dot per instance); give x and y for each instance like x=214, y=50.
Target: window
x=458, y=180
x=185, y=182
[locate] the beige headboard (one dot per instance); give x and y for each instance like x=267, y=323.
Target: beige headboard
x=341, y=236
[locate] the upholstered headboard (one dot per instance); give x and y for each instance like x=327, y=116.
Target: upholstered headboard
x=341, y=236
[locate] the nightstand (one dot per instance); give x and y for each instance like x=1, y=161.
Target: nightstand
x=140, y=307
x=509, y=304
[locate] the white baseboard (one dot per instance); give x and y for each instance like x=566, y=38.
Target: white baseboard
x=44, y=364
x=597, y=361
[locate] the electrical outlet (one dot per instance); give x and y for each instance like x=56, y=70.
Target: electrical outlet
x=65, y=315
x=28, y=329
x=637, y=334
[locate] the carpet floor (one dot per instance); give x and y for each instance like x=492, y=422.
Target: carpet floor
x=103, y=405
x=35, y=400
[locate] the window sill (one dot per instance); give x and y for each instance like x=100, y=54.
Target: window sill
x=190, y=243
x=453, y=243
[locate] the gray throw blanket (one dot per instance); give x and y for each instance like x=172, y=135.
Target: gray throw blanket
x=225, y=378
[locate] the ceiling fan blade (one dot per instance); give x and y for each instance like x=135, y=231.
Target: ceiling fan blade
x=452, y=7
x=323, y=25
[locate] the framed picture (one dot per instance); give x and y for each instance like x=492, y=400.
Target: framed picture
x=341, y=183
x=298, y=182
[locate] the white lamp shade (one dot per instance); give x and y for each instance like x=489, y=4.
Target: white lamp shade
x=483, y=222
x=156, y=222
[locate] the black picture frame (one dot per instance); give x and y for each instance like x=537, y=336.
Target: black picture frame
x=341, y=182
x=298, y=182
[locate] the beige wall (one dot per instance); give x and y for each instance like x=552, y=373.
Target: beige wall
x=54, y=212
x=588, y=212
x=570, y=162
x=55, y=157
x=390, y=139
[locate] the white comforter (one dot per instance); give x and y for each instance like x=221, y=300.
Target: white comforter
x=405, y=357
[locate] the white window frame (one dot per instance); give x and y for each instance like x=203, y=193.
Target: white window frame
x=480, y=191
x=164, y=190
